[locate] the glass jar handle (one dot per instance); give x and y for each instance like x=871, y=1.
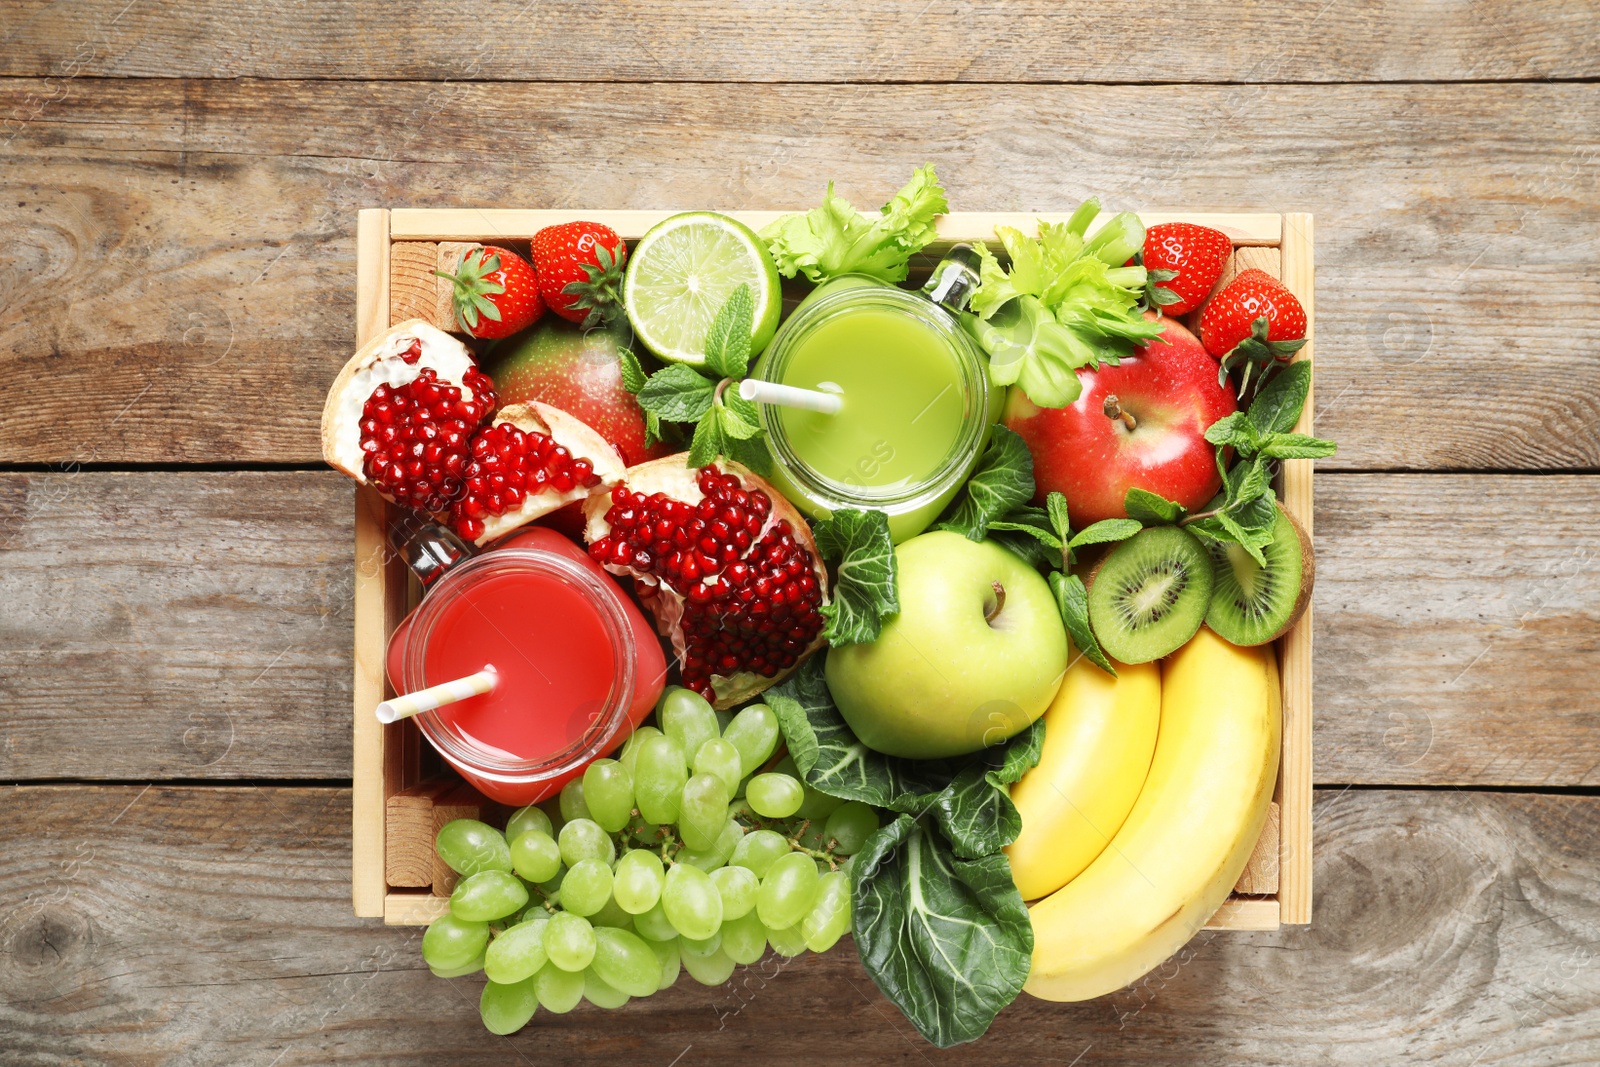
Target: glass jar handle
x=955, y=279
x=428, y=549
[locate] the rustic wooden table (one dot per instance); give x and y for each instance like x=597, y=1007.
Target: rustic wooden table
x=176, y=290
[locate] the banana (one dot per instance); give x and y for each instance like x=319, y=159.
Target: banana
x=1100, y=735
x=1189, y=835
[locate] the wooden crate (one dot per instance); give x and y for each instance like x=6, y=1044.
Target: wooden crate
x=401, y=796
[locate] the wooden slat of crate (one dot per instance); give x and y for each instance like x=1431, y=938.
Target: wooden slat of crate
x=415, y=291
x=408, y=833
x=1256, y=239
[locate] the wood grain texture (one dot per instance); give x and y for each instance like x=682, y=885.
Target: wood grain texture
x=833, y=40
x=179, y=253
x=212, y=925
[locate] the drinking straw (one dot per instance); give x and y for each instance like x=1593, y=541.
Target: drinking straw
x=435, y=696
x=790, y=397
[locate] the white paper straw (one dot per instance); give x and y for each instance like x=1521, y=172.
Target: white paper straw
x=403, y=707
x=790, y=397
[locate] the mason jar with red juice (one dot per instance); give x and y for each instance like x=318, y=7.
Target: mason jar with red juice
x=578, y=665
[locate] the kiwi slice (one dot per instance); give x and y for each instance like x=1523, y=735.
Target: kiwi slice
x=1252, y=604
x=1149, y=595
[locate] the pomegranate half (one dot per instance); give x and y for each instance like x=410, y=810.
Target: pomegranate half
x=725, y=564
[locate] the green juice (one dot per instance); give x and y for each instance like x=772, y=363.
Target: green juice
x=904, y=403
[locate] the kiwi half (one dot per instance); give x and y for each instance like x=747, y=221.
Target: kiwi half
x=1252, y=604
x=1149, y=595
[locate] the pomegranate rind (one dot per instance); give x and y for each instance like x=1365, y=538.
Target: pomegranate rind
x=377, y=363
x=673, y=477
x=577, y=437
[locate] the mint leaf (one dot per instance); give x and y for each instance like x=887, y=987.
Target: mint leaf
x=1152, y=510
x=1277, y=408
x=678, y=393
x=1073, y=601
x=1247, y=481
x=1106, y=531
x=752, y=453
x=947, y=939
x=1236, y=430
x=1002, y=480
x=746, y=408
x=728, y=340
x=1056, y=506
x=633, y=376
x=864, y=591
x=734, y=425
x=707, y=443
x=1296, y=446
x=1026, y=531
x=652, y=428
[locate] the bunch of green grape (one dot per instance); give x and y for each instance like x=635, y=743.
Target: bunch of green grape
x=680, y=854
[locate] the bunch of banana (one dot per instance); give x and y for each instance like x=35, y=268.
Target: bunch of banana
x=1119, y=908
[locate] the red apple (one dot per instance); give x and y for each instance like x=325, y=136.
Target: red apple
x=578, y=371
x=1167, y=396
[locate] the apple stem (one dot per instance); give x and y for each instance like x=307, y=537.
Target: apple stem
x=999, y=602
x=1113, y=410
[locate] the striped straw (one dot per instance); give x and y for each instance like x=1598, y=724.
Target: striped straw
x=790, y=396
x=403, y=707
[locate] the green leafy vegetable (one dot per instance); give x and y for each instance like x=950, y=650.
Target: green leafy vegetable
x=1073, y=600
x=836, y=239
x=975, y=810
x=864, y=591
x=1003, y=480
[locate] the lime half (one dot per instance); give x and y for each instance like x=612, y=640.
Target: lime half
x=683, y=270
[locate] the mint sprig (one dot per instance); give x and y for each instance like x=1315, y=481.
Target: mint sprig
x=865, y=592
x=725, y=424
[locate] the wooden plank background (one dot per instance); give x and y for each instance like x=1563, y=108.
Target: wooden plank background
x=178, y=188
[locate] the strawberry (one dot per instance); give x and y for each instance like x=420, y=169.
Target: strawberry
x=1254, y=322
x=1192, y=257
x=580, y=271
x=495, y=294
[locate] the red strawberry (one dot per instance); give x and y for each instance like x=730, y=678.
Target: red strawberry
x=580, y=271
x=1253, y=322
x=1192, y=255
x=496, y=294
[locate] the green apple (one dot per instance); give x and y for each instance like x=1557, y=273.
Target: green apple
x=975, y=655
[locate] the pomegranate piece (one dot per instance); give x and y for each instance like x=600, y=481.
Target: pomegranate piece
x=726, y=565
x=401, y=413
x=531, y=461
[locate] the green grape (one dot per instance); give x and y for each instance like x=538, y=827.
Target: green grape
x=653, y=924
x=488, y=895
x=744, y=939
x=687, y=718
x=658, y=779
x=718, y=757
x=787, y=891
x=608, y=790
x=816, y=805
x=573, y=806
x=582, y=839
x=754, y=732
x=667, y=955
x=517, y=953
x=569, y=941
x=612, y=916
x=586, y=888
x=707, y=970
x=559, y=991
x=506, y=1008
x=552, y=811
x=814, y=836
x=522, y=820
x=551, y=887
x=451, y=941
x=470, y=967
x=644, y=832
x=787, y=942
x=758, y=850
x=737, y=887
x=624, y=961
x=829, y=917
x=600, y=993
x=691, y=902
x=700, y=946
x=629, y=755
x=468, y=846
x=776, y=796
x=639, y=876
x=535, y=855
x=703, y=811
x=849, y=827
x=710, y=859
